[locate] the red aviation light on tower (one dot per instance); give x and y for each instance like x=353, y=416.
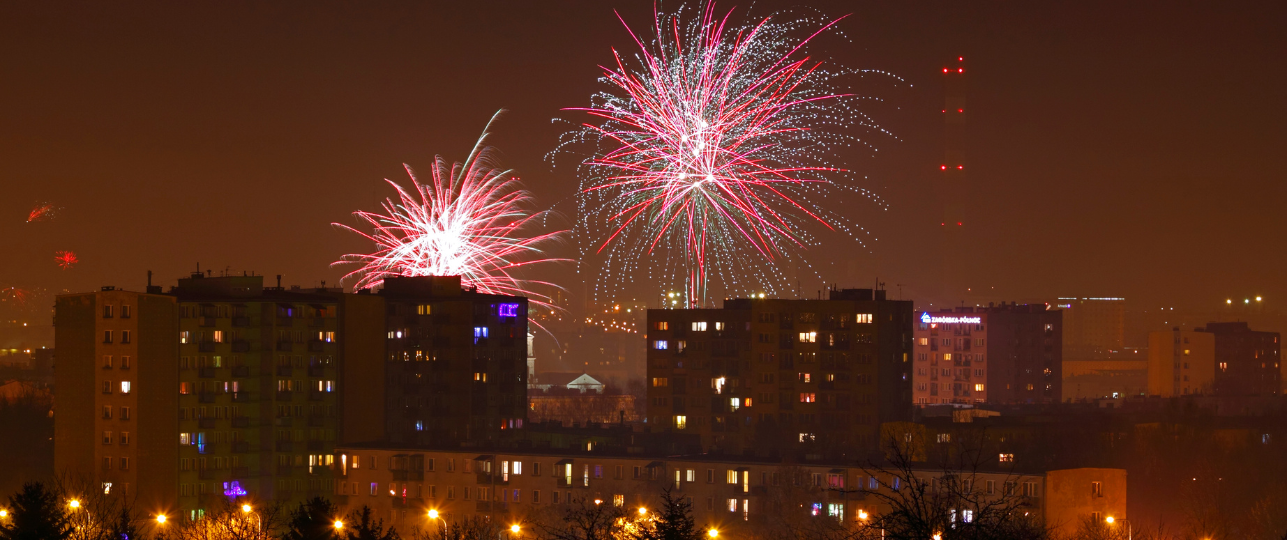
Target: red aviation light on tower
x=944, y=70
x=960, y=70
x=944, y=167
x=960, y=166
x=960, y=59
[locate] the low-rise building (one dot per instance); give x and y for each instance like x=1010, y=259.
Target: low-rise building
x=402, y=485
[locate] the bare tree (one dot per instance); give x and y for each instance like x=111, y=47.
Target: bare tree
x=584, y=519
x=230, y=521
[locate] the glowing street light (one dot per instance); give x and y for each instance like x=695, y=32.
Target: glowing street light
x=713, y=533
x=514, y=528
x=1257, y=298
x=245, y=508
x=339, y=524
x=642, y=510
x=160, y=519
x=74, y=504
x=1129, y=529
x=1110, y=520
x=862, y=514
x=4, y=514
x=433, y=514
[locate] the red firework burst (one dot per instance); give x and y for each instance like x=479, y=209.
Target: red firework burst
x=42, y=212
x=66, y=259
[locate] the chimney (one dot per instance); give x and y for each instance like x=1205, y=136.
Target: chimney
x=279, y=281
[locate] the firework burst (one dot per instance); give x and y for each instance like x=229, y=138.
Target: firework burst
x=41, y=212
x=711, y=154
x=470, y=220
x=66, y=259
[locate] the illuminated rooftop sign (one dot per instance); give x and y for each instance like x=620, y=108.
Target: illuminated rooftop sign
x=941, y=319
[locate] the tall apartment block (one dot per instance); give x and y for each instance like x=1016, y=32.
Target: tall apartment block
x=1093, y=326
x=457, y=362
x=776, y=376
x=1181, y=363
x=999, y=354
x=219, y=388
x=1247, y=361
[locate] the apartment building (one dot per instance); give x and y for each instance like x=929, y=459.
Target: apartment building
x=1181, y=363
x=457, y=362
x=732, y=495
x=768, y=376
x=220, y=387
x=1001, y=354
x=1247, y=361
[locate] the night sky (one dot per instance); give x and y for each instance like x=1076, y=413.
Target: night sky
x=1116, y=149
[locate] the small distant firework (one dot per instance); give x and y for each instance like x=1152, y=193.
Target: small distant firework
x=66, y=259
x=712, y=151
x=16, y=295
x=41, y=212
x=470, y=220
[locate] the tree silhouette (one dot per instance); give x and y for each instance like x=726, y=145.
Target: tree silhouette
x=312, y=520
x=35, y=514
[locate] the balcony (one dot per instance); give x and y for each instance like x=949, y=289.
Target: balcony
x=316, y=371
x=316, y=421
x=239, y=472
x=285, y=446
x=285, y=371
x=314, y=395
x=206, y=397
x=315, y=446
x=240, y=371
x=241, y=422
x=317, y=322
x=285, y=321
x=206, y=322
x=206, y=423
x=315, y=346
x=284, y=421
x=206, y=346
x=207, y=474
x=206, y=372
x=284, y=470
x=284, y=395
x=241, y=322
x=241, y=397
x=408, y=502
x=285, y=346
x=408, y=475
x=240, y=345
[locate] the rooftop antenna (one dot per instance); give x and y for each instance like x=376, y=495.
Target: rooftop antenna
x=279, y=281
x=149, y=279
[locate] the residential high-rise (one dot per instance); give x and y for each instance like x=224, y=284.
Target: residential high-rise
x=116, y=423
x=220, y=387
x=457, y=362
x=781, y=376
x=1093, y=327
x=1247, y=361
x=1181, y=363
x=999, y=354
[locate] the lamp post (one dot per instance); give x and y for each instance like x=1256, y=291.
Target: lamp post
x=712, y=532
x=1129, y=530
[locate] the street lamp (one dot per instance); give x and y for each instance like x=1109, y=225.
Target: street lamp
x=4, y=514
x=160, y=519
x=339, y=524
x=862, y=514
x=433, y=514
x=514, y=528
x=643, y=511
x=1129, y=530
x=245, y=508
x=713, y=533
x=74, y=504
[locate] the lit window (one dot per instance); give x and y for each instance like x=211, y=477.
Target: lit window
x=125, y=387
x=660, y=345
x=978, y=387
x=719, y=326
x=808, y=337
x=808, y=397
x=944, y=437
x=1006, y=458
x=805, y=377
x=718, y=385
x=218, y=336
x=661, y=325
x=681, y=422
x=660, y=381
x=507, y=310
x=735, y=403
x=422, y=309
x=806, y=437
x=699, y=326
x=185, y=336
x=924, y=341
x=864, y=318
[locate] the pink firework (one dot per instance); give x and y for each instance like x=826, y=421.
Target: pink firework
x=470, y=221
x=42, y=212
x=712, y=148
x=66, y=259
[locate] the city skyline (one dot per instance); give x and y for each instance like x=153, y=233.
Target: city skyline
x=309, y=143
